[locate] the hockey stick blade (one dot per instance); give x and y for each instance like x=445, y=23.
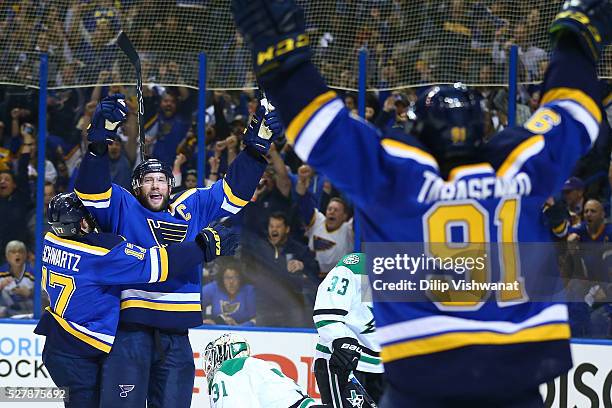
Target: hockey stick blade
x=128, y=49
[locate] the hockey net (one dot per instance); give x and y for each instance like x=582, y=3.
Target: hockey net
x=410, y=43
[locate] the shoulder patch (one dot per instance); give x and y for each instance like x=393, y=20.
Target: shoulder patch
x=356, y=262
x=231, y=367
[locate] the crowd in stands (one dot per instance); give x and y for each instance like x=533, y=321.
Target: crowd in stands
x=297, y=225
x=409, y=42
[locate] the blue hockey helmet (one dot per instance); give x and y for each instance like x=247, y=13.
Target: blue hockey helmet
x=151, y=166
x=449, y=121
x=65, y=213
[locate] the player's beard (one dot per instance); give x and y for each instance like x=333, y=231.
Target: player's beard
x=144, y=200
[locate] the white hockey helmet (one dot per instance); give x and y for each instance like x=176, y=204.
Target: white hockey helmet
x=224, y=348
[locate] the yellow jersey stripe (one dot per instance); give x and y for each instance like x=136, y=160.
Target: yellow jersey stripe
x=79, y=335
x=163, y=260
x=608, y=99
x=560, y=228
x=76, y=245
x=469, y=167
x=411, y=150
x=575, y=95
x=449, y=341
x=516, y=153
x=151, y=121
x=182, y=198
x=298, y=123
x=237, y=201
x=165, y=307
x=95, y=197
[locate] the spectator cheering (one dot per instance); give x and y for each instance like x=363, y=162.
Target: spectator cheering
x=15, y=201
x=232, y=300
x=573, y=195
x=16, y=281
x=282, y=270
x=330, y=236
x=121, y=171
x=166, y=130
x=593, y=228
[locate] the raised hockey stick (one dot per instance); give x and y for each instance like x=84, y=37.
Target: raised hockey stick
x=366, y=397
x=128, y=48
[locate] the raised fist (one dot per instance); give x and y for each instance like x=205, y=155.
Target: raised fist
x=107, y=117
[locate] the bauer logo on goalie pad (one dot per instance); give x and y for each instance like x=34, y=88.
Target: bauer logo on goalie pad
x=167, y=232
x=356, y=400
x=125, y=389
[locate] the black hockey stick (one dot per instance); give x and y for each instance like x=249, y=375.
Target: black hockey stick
x=128, y=48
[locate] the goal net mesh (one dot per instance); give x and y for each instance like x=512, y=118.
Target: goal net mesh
x=409, y=43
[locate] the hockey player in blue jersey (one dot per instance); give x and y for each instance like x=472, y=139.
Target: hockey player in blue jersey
x=82, y=273
x=152, y=351
x=441, y=180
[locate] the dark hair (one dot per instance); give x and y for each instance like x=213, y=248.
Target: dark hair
x=278, y=215
x=226, y=265
x=170, y=92
x=9, y=172
x=341, y=201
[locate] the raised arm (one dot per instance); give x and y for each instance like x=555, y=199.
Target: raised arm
x=283, y=182
x=343, y=147
x=127, y=263
x=93, y=184
x=230, y=194
x=567, y=124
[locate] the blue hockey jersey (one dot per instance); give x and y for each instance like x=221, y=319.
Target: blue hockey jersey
x=401, y=196
x=174, y=304
x=83, y=276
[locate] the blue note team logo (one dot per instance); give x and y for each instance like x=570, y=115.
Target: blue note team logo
x=125, y=389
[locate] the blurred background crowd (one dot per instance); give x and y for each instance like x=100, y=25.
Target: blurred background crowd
x=297, y=225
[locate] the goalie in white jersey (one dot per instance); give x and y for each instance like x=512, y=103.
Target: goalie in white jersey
x=347, y=340
x=237, y=380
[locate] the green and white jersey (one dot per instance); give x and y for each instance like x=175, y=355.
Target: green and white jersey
x=254, y=383
x=340, y=312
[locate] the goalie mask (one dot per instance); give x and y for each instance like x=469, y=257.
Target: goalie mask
x=224, y=348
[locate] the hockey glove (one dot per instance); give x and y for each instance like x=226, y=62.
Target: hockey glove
x=255, y=134
x=275, y=32
x=345, y=356
x=589, y=20
x=217, y=241
x=107, y=117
